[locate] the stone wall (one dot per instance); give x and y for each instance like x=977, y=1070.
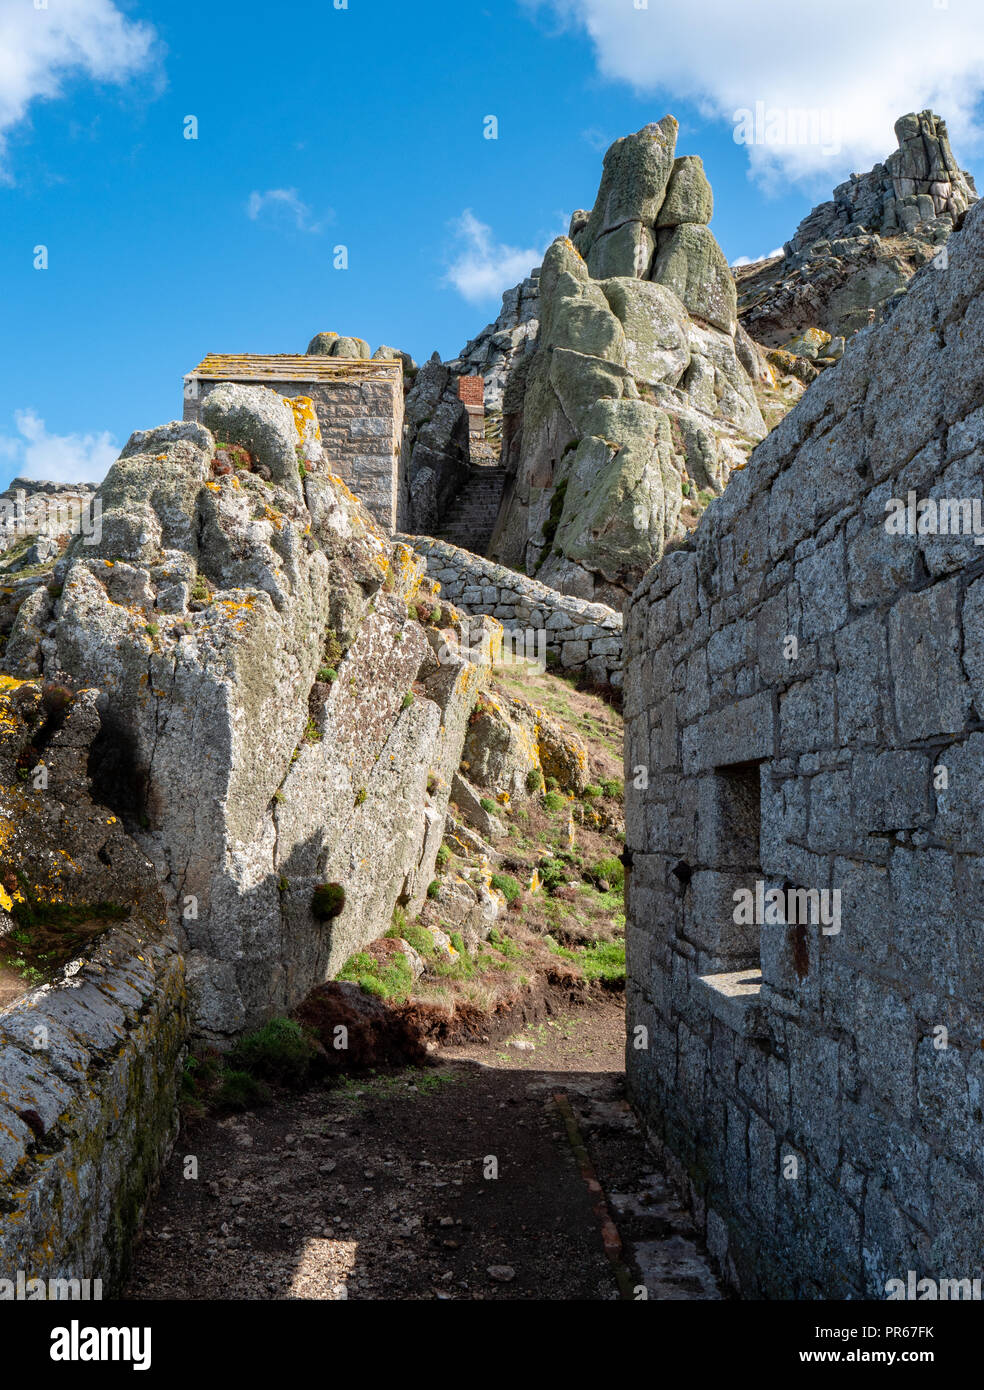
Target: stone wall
x=89, y=1074
x=360, y=411
x=579, y=636
x=92, y=1008
x=803, y=698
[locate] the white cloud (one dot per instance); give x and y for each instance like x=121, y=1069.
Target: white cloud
x=753, y=260
x=56, y=458
x=597, y=139
x=282, y=202
x=858, y=66
x=483, y=267
x=41, y=49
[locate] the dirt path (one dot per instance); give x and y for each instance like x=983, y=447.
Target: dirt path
x=386, y=1188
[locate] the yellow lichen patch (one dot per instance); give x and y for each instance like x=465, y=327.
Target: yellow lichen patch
x=231, y=605
x=304, y=413
x=6, y=902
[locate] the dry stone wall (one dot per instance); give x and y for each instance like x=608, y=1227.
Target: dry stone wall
x=92, y=1005
x=89, y=1073
x=578, y=636
x=804, y=692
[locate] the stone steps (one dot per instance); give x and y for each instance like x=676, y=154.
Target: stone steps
x=471, y=518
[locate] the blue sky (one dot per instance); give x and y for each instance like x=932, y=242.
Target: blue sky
x=364, y=127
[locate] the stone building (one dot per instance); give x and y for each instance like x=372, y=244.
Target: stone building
x=804, y=692
x=359, y=404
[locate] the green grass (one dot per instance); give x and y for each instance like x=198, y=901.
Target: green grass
x=240, y=1091
x=417, y=936
x=34, y=914
x=552, y=873
x=488, y=805
x=460, y=967
x=605, y=960
x=390, y=980
x=504, y=944
x=554, y=801
x=280, y=1051
x=509, y=887
x=611, y=869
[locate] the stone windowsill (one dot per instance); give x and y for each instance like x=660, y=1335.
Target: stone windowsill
x=734, y=998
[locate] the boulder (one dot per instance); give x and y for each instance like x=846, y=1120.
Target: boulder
x=331, y=345
x=436, y=445
x=262, y=422
x=322, y=345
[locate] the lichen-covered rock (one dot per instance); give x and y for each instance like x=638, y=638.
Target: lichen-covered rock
x=469, y=803
x=254, y=650
x=627, y=250
x=391, y=354
x=322, y=345
x=647, y=340
x=853, y=256
x=262, y=422
x=500, y=749
x=307, y=428
x=688, y=194
x=436, y=445
x=633, y=181
x=331, y=345
x=614, y=517
x=509, y=739
x=655, y=326
x=691, y=264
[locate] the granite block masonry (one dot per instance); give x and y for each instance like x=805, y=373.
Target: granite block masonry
x=804, y=688
x=577, y=636
x=359, y=405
